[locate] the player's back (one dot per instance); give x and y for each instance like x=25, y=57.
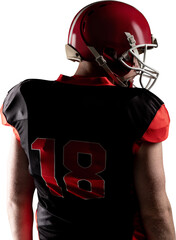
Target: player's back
x=80, y=142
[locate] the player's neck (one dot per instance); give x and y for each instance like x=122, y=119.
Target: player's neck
x=90, y=69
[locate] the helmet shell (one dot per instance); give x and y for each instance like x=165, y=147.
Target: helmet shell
x=103, y=25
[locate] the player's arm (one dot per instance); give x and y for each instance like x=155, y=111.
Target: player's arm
x=20, y=189
x=150, y=187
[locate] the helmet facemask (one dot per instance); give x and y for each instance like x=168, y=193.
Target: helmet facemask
x=142, y=70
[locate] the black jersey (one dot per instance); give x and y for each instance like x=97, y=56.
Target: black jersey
x=80, y=141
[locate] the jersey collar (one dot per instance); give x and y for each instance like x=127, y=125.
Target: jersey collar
x=86, y=81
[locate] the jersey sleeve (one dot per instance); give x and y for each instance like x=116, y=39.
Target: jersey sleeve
x=4, y=122
x=158, y=129
x=14, y=110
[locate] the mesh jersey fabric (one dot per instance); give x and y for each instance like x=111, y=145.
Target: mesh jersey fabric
x=79, y=139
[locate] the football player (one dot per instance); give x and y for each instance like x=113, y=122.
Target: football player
x=91, y=144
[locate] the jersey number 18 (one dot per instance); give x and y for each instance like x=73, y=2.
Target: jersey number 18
x=78, y=173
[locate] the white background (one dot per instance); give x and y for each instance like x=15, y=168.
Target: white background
x=32, y=45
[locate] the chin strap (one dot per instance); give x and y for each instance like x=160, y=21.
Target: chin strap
x=102, y=63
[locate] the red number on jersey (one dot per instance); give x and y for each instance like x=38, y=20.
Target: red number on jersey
x=78, y=172
x=89, y=173
x=47, y=161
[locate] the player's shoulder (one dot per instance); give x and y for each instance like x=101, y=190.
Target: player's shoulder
x=148, y=115
x=15, y=100
x=28, y=83
x=35, y=84
x=31, y=88
x=143, y=106
x=149, y=95
x=145, y=99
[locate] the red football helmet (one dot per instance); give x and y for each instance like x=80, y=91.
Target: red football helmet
x=114, y=34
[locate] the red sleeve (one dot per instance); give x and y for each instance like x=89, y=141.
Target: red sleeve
x=4, y=122
x=158, y=129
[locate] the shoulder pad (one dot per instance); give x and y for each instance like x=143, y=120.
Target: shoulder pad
x=142, y=110
x=14, y=107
